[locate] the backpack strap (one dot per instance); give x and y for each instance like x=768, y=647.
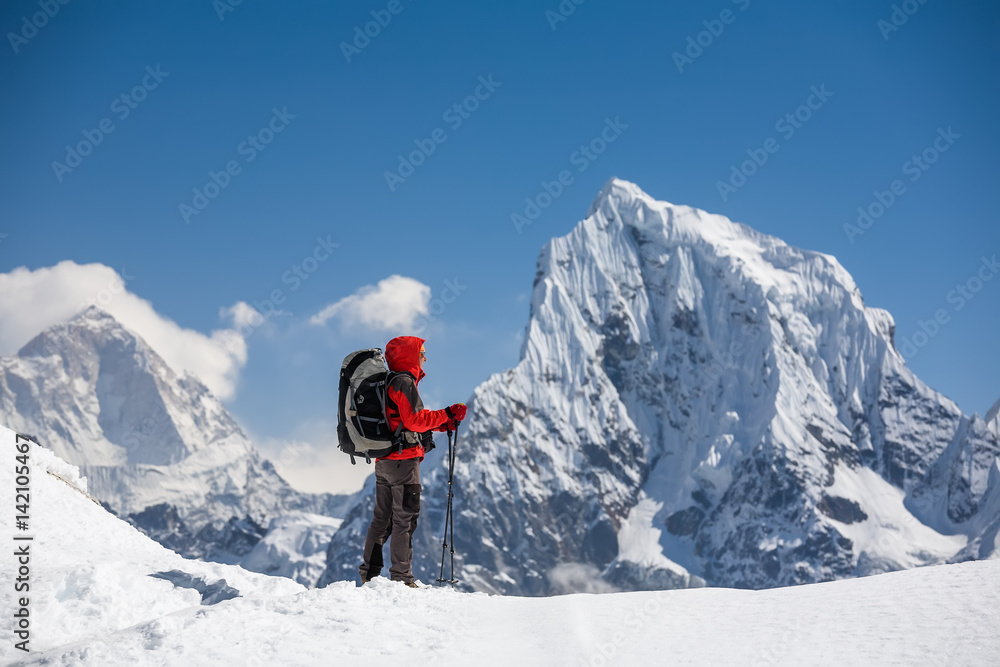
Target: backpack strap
x=398, y=442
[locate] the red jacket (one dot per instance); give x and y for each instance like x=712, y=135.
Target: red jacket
x=403, y=355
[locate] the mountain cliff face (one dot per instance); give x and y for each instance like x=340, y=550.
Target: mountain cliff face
x=156, y=448
x=993, y=419
x=699, y=401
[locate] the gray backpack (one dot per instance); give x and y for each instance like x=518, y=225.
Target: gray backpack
x=362, y=424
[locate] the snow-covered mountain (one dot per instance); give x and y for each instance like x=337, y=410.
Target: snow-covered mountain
x=101, y=593
x=294, y=546
x=993, y=418
x=155, y=447
x=697, y=400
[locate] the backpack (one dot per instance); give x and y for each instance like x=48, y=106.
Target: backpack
x=362, y=424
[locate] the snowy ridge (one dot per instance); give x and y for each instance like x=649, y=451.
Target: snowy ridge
x=99, y=597
x=155, y=447
x=676, y=360
x=993, y=418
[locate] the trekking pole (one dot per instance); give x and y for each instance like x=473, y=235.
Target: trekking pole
x=451, y=512
x=449, y=517
x=444, y=543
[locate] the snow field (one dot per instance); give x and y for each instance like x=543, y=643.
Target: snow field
x=94, y=603
x=943, y=615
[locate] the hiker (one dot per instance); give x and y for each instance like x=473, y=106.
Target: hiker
x=397, y=475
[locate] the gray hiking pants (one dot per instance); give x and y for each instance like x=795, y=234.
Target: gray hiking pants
x=397, y=506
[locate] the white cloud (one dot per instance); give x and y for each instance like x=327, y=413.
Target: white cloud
x=31, y=301
x=315, y=468
x=243, y=315
x=394, y=304
x=569, y=578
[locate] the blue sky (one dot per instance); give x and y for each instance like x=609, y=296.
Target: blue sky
x=216, y=78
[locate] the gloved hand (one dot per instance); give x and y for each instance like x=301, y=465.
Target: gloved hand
x=452, y=425
x=456, y=412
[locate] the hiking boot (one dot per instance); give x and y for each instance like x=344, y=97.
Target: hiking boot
x=412, y=584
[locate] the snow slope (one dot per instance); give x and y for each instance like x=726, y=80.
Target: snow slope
x=90, y=571
x=697, y=401
x=93, y=602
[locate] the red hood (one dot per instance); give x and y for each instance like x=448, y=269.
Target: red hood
x=403, y=354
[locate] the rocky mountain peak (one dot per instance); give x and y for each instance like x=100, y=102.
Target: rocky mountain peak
x=697, y=400
x=155, y=446
x=993, y=418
